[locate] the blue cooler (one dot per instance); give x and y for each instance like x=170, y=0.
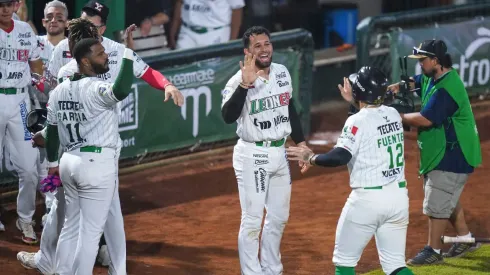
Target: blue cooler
x=342, y=21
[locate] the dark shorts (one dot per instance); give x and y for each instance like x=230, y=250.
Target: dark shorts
x=442, y=191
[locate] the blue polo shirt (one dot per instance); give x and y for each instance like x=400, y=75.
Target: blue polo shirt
x=439, y=109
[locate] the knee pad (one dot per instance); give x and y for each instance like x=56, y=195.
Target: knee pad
x=402, y=271
x=342, y=270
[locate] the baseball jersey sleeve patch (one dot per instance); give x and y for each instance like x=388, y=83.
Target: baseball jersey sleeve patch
x=349, y=137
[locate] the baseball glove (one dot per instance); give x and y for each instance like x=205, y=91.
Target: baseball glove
x=36, y=120
x=50, y=183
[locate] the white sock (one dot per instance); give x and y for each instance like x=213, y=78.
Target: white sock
x=438, y=251
x=466, y=236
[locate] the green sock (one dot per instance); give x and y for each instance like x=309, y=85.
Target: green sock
x=405, y=271
x=342, y=270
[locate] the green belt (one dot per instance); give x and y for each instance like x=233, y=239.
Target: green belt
x=274, y=143
x=200, y=30
x=401, y=184
x=10, y=91
x=91, y=149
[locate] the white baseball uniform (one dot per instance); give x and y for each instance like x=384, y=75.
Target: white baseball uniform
x=262, y=169
x=46, y=260
x=18, y=46
x=85, y=111
x=206, y=22
x=45, y=48
x=378, y=203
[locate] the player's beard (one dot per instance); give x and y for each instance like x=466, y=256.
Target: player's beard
x=430, y=73
x=100, y=68
x=263, y=65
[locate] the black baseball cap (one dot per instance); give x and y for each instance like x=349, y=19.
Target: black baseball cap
x=430, y=48
x=97, y=8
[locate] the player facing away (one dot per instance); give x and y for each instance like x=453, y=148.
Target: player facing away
x=371, y=145
x=83, y=118
x=20, y=56
x=259, y=98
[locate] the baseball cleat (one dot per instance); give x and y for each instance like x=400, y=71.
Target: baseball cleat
x=426, y=256
x=26, y=259
x=460, y=249
x=103, y=256
x=2, y=227
x=28, y=234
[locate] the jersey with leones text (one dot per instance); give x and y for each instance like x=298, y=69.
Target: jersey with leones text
x=265, y=115
x=18, y=46
x=85, y=112
x=374, y=137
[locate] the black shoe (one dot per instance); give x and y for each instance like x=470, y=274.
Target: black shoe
x=426, y=256
x=460, y=249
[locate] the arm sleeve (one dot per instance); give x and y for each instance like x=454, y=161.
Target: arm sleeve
x=296, y=130
x=124, y=80
x=51, y=137
x=440, y=107
x=336, y=157
x=350, y=136
x=232, y=108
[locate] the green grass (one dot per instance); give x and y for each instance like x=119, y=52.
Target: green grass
x=474, y=263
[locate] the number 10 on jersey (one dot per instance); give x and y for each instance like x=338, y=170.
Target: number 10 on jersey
x=396, y=155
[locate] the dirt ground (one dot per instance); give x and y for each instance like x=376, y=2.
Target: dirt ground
x=184, y=218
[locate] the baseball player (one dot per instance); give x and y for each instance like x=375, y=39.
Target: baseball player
x=204, y=23
x=83, y=118
x=259, y=98
x=19, y=55
x=371, y=145
x=44, y=258
x=54, y=21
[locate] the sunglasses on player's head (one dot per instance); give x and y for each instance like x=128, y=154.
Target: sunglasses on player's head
x=417, y=51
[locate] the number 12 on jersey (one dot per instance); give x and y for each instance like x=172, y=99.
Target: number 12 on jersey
x=397, y=153
x=76, y=128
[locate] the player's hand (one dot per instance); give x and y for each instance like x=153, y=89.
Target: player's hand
x=54, y=171
x=37, y=140
x=305, y=166
x=248, y=70
x=172, y=91
x=301, y=154
x=394, y=88
x=128, y=36
x=346, y=90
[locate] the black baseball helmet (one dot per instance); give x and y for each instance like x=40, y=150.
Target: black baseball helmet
x=36, y=120
x=369, y=85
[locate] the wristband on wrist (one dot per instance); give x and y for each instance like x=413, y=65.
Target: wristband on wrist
x=312, y=159
x=52, y=164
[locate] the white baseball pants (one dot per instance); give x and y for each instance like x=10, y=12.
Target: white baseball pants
x=92, y=206
x=264, y=180
x=379, y=212
x=17, y=140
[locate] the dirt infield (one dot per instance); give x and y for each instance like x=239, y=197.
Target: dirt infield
x=184, y=218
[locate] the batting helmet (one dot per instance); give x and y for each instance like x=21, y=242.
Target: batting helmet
x=369, y=85
x=36, y=120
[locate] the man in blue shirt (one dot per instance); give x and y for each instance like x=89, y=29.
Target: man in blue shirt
x=446, y=174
